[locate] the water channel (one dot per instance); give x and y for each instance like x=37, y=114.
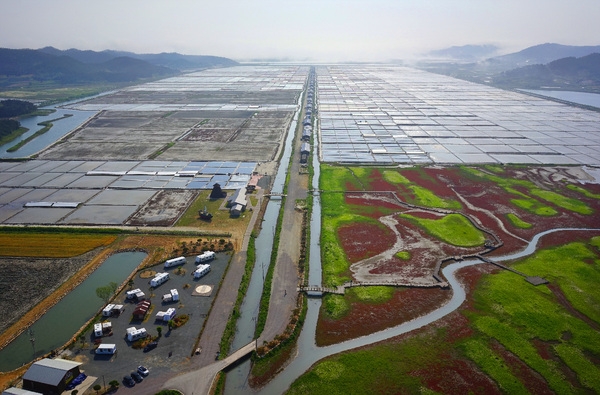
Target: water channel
x=60, y=127
x=237, y=378
x=53, y=329
x=585, y=98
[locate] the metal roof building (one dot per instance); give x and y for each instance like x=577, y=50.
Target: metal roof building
x=50, y=376
x=18, y=391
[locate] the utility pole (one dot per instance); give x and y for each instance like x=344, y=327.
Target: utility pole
x=32, y=340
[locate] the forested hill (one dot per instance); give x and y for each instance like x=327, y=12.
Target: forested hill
x=171, y=60
x=20, y=66
x=583, y=72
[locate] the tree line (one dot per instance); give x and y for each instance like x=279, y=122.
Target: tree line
x=13, y=108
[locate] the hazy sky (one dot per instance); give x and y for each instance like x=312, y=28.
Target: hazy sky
x=327, y=30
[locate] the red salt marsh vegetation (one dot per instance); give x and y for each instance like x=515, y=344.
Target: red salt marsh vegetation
x=465, y=351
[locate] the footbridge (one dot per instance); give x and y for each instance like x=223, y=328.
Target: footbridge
x=341, y=290
x=535, y=280
x=323, y=290
x=201, y=381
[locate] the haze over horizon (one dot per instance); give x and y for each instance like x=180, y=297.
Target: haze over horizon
x=315, y=30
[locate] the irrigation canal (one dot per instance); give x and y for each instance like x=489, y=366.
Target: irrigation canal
x=52, y=330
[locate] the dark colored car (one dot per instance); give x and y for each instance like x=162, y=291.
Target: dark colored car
x=128, y=381
x=150, y=346
x=137, y=377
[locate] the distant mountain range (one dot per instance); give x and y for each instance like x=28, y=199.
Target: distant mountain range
x=171, y=60
x=50, y=65
x=542, y=66
x=464, y=53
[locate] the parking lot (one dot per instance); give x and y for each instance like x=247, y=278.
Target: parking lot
x=175, y=347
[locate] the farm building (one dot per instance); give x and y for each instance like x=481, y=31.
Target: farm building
x=237, y=202
x=50, y=376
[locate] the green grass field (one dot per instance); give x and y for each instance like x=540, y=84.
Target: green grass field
x=453, y=229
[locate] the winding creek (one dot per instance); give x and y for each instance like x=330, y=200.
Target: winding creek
x=309, y=353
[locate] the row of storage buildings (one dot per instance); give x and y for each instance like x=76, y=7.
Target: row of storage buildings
x=307, y=123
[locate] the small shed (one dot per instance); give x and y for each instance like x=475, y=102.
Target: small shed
x=141, y=309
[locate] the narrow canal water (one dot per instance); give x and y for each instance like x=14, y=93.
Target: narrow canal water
x=237, y=378
x=59, y=324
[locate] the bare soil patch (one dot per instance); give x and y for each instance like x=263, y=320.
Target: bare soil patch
x=163, y=209
x=27, y=281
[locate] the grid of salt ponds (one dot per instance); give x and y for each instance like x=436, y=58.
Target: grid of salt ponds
x=125, y=174
x=390, y=114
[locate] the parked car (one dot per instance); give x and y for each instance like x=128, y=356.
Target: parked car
x=128, y=381
x=137, y=377
x=143, y=371
x=150, y=346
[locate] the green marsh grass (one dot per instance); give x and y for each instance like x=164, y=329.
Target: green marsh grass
x=518, y=222
x=453, y=229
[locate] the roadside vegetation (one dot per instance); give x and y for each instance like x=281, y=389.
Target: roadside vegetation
x=514, y=332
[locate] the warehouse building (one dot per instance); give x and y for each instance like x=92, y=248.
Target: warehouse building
x=50, y=376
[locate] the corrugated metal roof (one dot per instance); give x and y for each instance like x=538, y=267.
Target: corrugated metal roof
x=18, y=391
x=49, y=371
